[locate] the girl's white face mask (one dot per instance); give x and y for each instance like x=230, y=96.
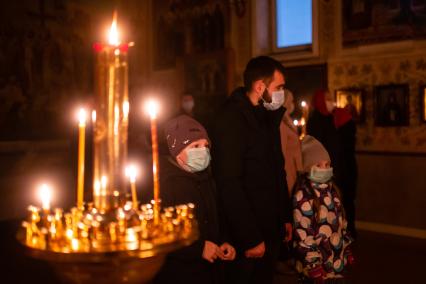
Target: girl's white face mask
x=320, y=175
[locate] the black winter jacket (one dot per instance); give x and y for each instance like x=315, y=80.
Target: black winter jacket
x=180, y=187
x=248, y=167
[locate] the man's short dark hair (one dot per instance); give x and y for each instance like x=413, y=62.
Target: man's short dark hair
x=261, y=68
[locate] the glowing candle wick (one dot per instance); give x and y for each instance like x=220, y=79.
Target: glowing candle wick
x=45, y=196
x=131, y=172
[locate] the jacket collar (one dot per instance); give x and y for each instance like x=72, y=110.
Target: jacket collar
x=240, y=98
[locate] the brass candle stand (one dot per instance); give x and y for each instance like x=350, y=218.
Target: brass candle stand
x=112, y=239
x=81, y=243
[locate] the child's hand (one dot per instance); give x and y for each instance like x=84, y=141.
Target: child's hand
x=256, y=252
x=228, y=251
x=211, y=251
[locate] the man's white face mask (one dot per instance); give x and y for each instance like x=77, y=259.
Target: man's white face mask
x=277, y=100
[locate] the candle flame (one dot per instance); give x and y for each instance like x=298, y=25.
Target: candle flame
x=45, y=193
x=151, y=107
x=131, y=172
x=113, y=32
x=75, y=244
x=303, y=104
x=296, y=122
x=93, y=116
x=104, y=181
x=126, y=108
x=302, y=121
x=97, y=187
x=82, y=116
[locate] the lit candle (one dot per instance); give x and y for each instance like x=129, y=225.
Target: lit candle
x=304, y=119
x=75, y=244
x=112, y=111
x=97, y=193
x=45, y=194
x=81, y=146
x=152, y=109
x=113, y=35
x=126, y=108
x=95, y=150
x=103, y=193
x=131, y=172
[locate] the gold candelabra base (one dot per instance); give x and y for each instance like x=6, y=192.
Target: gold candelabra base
x=122, y=245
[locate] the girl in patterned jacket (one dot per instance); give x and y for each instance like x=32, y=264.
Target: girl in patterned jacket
x=321, y=241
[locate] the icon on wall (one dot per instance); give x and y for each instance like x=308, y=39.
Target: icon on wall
x=352, y=99
x=391, y=105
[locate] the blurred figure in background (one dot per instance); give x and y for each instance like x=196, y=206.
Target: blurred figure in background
x=187, y=104
x=290, y=143
x=336, y=130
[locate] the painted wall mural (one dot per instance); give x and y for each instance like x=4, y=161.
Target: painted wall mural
x=374, y=21
x=367, y=74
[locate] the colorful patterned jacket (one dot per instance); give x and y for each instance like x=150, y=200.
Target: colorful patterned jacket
x=320, y=237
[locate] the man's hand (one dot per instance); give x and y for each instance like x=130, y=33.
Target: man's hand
x=228, y=252
x=288, y=232
x=257, y=251
x=211, y=251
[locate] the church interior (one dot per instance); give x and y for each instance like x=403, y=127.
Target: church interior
x=371, y=55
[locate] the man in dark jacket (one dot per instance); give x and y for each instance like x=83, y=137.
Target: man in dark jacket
x=248, y=166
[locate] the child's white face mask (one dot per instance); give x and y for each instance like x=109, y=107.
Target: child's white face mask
x=320, y=175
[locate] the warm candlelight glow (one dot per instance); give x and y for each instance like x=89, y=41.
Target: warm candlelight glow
x=295, y=122
x=131, y=172
x=96, y=193
x=302, y=121
x=104, y=181
x=97, y=187
x=303, y=104
x=151, y=107
x=111, y=222
x=75, y=244
x=45, y=193
x=82, y=117
x=113, y=36
x=93, y=116
x=126, y=108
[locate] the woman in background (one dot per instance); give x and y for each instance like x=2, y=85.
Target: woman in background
x=290, y=143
